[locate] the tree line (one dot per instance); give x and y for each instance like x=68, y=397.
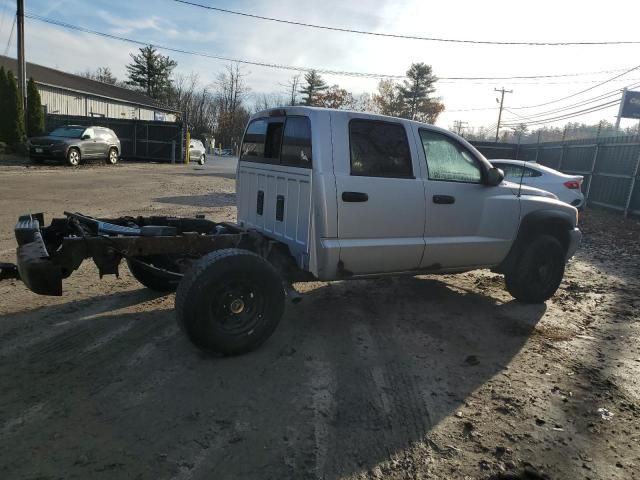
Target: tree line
x=570, y=131
x=222, y=107
x=13, y=130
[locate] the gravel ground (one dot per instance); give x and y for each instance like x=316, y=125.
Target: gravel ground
x=427, y=377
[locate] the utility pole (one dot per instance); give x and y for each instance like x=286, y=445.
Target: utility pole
x=22, y=66
x=502, y=92
x=459, y=125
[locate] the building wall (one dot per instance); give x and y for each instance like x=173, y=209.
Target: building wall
x=64, y=102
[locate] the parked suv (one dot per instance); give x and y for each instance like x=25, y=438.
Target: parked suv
x=76, y=143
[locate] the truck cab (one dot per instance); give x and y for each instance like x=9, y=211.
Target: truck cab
x=355, y=195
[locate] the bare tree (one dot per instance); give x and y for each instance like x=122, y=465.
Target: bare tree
x=232, y=116
x=291, y=89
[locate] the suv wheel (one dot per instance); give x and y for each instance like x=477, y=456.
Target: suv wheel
x=201, y=161
x=112, y=156
x=538, y=272
x=73, y=157
x=230, y=301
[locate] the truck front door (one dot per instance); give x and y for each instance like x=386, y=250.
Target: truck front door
x=381, y=202
x=469, y=224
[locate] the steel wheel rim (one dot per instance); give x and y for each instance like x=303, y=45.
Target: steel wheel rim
x=113, y=156
x=545, y=268
x=73, y=157
x=237, y=308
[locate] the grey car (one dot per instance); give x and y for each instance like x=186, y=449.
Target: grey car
x=197, y=151
x=76, y=143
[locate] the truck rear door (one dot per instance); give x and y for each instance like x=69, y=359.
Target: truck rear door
x=381, y=200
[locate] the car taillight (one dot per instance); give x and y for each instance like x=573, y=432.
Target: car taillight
x=572, y=184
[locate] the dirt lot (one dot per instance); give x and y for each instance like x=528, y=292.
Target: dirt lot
x=429, y=377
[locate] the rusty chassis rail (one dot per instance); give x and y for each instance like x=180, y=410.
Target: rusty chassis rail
x=46, y=255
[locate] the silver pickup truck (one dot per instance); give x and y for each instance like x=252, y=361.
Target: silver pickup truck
x=322, y=195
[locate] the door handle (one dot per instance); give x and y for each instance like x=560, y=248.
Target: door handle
x=354, y=197
x=444, y=199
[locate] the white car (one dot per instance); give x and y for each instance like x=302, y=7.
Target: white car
x=566, y=187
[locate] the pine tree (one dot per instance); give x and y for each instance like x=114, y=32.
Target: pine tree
x=14, y=113
x=4, y=105
x=151, y=72
x=416, y=90
x=35, y=115
x=314, y=86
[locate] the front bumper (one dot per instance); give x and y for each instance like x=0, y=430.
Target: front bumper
x=575, y=237
x=37, y=151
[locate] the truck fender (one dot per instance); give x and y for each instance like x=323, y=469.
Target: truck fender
x=553, y=222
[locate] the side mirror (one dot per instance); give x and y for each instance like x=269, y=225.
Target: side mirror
x=494, y=177
x=85, y=137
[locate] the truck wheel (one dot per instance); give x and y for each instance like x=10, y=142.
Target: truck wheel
x=538, y=272
x=112, y=156
x=73, y=157
x=230, y=301
x=151, y=279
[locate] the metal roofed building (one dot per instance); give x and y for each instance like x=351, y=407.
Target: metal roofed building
x=67, y=94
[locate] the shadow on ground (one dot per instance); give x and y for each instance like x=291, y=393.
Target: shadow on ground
x=357, y=374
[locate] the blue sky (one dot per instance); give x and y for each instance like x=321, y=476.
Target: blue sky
x=166, y=22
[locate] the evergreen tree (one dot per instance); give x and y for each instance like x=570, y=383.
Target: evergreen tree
x=313, y=88
x=35, y=115
x=151, y=72
x=14, y=113
x=4, y=105
x=415, y=91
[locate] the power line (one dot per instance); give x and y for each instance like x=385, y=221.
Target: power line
x=287, y=67
x=589, y=100
x=580, y=92
x=396, y=35
x=605, y=96
x=579, y=113
x=13, y=26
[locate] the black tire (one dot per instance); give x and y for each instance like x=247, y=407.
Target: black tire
x=202, y=159
x=230, y=302
x=150, y=279
x=73, y=157
x=539, y=270
x=112, y=156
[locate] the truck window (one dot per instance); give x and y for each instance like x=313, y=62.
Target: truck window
x=253, y=144
x=379, y=149
x=273, y=141
x=296, y=145
x=447, y=160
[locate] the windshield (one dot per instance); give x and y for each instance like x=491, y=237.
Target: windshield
x=69, y=132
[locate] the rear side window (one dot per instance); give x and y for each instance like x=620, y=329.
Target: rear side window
x=253, y=144
x=379, y=149
x=296, y=145
x=285, y=141
x=515, y=171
